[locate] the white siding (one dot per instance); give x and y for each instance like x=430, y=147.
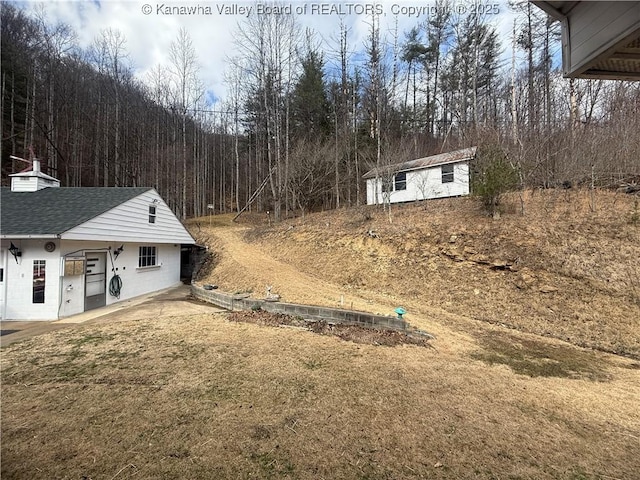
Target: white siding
x=31, y=183
x=64, y=295
x=135, y=281
x=129, y=222
x=423, y=184
x=594, y=27
x=138, y=281
x=24, y=184
x=19, y=282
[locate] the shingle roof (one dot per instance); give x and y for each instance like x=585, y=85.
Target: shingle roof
x=53, y=211
x=441, y=159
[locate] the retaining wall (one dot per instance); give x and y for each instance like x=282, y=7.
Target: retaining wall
x=308, y=312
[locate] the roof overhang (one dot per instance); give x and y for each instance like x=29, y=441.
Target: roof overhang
x=393, y=169
x=464, y=155
x=600, y=39
x=18, y=236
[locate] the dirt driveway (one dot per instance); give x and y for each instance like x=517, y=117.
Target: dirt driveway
x=172, y=301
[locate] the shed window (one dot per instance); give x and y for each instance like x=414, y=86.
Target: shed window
x=387, y=185
x=400, y=181
x=152, y=214
x=147, y=257
x=39, y=267
x=447, y=173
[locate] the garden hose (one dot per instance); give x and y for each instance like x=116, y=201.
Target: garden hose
x=115, y=285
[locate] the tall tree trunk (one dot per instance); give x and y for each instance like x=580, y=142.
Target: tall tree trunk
x=514, y=108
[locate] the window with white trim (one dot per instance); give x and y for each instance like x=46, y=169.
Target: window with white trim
x=152, y=214
x=400, y=181
x=147, y=257
x=447, y=173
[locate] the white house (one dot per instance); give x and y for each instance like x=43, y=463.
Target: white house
x=437, y=176
x=67, y=250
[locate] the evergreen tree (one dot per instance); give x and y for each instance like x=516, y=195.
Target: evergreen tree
x=309, y=105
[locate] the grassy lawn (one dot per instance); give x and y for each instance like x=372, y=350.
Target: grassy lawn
x=202, y=397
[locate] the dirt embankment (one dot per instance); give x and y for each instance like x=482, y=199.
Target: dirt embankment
x=568, y=268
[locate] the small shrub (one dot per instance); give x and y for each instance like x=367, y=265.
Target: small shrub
x=493, y=176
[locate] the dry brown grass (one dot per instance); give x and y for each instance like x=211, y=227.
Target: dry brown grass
x=197, y=396
x=200, y=397
x=572, y=271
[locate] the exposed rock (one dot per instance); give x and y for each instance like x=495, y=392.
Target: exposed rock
x=525, y=281
x=500, y=265
x=454, y=255
x=480, y=259
x=548, y=289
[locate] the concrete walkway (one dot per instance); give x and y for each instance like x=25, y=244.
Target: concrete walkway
x=172, y=301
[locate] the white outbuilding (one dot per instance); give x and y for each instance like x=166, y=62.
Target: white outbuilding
x=436, y=176
x=67, y=250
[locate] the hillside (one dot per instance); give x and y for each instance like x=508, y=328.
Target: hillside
x=173, y=388
x=569, y=268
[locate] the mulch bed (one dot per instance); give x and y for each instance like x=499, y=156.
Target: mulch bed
x=351, y=333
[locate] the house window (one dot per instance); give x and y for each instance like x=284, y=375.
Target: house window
x=152, y=214
x=387, y=185
x=447, y=173
x=38, y=280
x=400, y=181
x=147, y=257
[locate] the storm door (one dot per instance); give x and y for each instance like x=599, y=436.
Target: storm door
x=95, y=281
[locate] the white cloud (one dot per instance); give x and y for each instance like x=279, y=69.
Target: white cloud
x=150, y=26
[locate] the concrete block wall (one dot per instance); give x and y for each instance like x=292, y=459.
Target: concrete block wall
x=308, y=312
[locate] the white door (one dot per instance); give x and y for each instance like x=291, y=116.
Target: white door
x=95, y=281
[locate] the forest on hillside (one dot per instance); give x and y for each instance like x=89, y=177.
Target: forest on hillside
x=304, y=118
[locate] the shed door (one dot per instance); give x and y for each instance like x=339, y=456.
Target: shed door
x=95, y=281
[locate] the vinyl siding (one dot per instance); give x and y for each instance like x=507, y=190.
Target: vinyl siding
x=422, y=185
x=18, y=279
x=129, y=222
x=135, y=281
x=594, y=27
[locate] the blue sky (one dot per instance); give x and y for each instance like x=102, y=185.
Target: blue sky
x=150, y=26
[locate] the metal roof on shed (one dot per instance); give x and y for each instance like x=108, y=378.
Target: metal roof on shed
x=457, y=156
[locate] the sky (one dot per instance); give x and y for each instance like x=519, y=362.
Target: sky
x=149, y=26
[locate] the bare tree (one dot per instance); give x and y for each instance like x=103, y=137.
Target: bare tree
x=184, y=69
x=266, y=45
x=110, y=55
x=56, y=42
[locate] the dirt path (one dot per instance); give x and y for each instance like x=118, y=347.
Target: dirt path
x=286, y=280
x=245, y=266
